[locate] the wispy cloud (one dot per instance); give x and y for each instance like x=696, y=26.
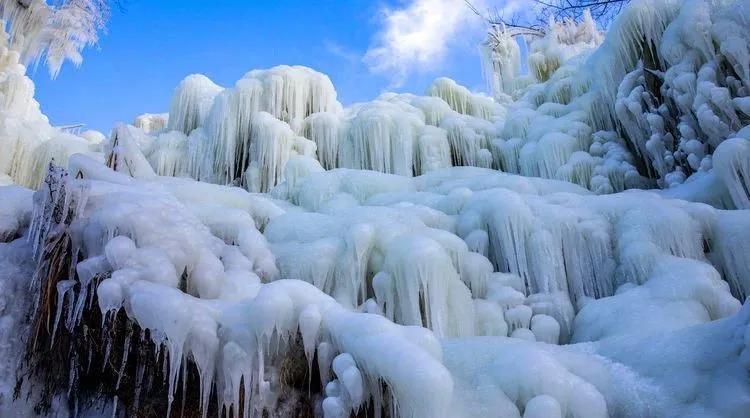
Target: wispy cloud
x=417, y=35
x=342, y=52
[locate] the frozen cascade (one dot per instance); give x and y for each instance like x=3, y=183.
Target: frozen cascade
x=381, y=137
x=442, y=255
x=209, y=325
x=461, y=100
x=732, y=161
x=400, y=134
x=647, y=123
x=323, y=128
x=394, y=221
x=292, y=93
x=191, y=102
x=167, y=152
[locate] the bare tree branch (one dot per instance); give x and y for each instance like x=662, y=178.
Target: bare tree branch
x=602, y=11
x=517, y=29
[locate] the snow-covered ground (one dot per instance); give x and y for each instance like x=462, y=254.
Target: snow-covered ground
x=574, y=246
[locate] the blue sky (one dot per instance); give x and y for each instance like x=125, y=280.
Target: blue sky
x=151, y=45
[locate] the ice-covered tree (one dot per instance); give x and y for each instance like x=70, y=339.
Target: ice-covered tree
x=601, y=11
x=552, y=36
x=53, y=31
x=33, y=32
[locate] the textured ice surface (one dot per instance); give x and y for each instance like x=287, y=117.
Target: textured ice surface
x=452, y=254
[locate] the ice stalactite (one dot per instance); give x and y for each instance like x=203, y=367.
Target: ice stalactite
x=380, y=136
x=671, y=95
x=415, y=270
x=272, y=144
x=236, y=345
x=433, y=150
x=168, y=154
x=324, y=129
x=678, y=101
x=245, y=136
x=303, y=258
x=635, y=34
x=401, y=134
x=467, y=138
x=292, y=93
x=16, y=266
x=732, y=163
x=461, y=100
x=395, y=134
x=349, y=259
x=549, y=131
x=413, y=135
x=730, y=249
x=566, y=249
x=58, y=148
x=27, y=21
x=191, y=102
x=679, y=97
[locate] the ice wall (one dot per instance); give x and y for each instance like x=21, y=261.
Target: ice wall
x=682, y=89
x=654, y=120
x=463, y=251
x=134, y=237
x=245, y=135
x=429, y=254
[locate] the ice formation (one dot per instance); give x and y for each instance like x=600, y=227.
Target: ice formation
x=644, y=124
x=574, y=246
x=27, y=139
x=150, y=122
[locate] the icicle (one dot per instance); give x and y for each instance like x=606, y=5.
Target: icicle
x=732, y=163
x=124, y=361
x=63, y=286
x=325, y=358
x=309, y=326
x=140, y=370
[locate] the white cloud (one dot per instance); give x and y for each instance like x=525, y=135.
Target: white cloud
x=418, y=35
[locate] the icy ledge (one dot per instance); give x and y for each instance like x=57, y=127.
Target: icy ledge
x=192, y=277
x=134, y=240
